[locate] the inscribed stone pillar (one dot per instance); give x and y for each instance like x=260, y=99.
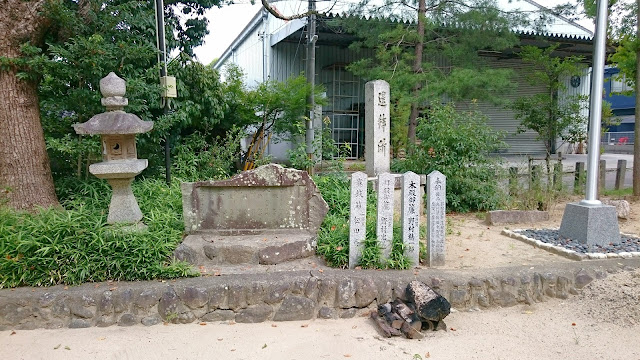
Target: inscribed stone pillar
x=384, y=229
x=436, y=205
x=411, y=216
x=377, y=125
x=358, y=217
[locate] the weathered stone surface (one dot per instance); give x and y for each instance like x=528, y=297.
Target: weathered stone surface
x=385, y=291
x=272, y=255
x=194, y=297
x=622, y=207
x=357, y=217
x=104, y=321
x=295, y=308
x=280, y=198
x=411, y=205
x=254, y=314
x=171, y=309
x=502, y=298
x=436, y=212
x=326, y=312
x=218, y=297
x=277, y=293
x=105, y=304
x=79, y=324
x=583, y=279
x=377, y=128
x=346, y=294
x=151, y=320
x=348, y=314
x=255, y=293
x=122, y=300
x=327, y=291
x=311, y=289
x=127, y=320
x=366, y=292
x=218, y=315
x=237, y=297
x=80, y=311
x=184, y=252
x=13, y=314
x=384, y=224
x=147, y=298
x=47, y=299
x=499, y=217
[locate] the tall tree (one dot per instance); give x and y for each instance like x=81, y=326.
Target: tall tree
x=437, y=57
x=25, y=173
x=29, y=30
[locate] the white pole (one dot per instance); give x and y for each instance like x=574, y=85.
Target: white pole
x=595, y=105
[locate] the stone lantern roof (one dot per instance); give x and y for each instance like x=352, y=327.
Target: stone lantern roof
x=115, y=121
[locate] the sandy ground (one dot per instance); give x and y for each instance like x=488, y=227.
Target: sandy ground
x=471, y=243
x=601, y=323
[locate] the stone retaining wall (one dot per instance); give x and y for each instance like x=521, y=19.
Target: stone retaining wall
x=285, y=296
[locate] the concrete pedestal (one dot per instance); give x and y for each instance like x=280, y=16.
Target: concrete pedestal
x=590, y=224
x=124, y=206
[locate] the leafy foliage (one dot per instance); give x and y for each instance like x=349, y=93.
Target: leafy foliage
x=74, y=245
x=545, y=113
x=459, y=145
x=333, y=237
x=451, y=67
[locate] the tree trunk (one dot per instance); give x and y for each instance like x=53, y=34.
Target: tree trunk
x=636, y=128
x=417, y=68
x=25, y=172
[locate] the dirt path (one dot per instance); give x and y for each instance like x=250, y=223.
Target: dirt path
x=601, y=323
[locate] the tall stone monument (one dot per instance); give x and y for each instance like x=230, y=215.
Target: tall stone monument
x=436, y=208
x=386, y=185
x=120, y=163
x=411, y=216
x=358, y=217
x=377, y=127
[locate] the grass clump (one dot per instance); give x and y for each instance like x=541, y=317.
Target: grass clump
x=333, y=237
x=76, y=245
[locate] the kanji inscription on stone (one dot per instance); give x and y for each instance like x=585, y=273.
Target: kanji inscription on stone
x=358, y=217
x=436, y=207
x=411, y=216
x=384, y=228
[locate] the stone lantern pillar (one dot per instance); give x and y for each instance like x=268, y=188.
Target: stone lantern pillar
x=120, y=163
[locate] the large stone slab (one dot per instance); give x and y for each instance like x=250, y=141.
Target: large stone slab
x=269, y=198
x=498, y=217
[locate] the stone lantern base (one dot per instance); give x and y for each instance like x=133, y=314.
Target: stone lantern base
x=124, y=206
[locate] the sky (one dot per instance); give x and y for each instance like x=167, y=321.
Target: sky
x=226, y=23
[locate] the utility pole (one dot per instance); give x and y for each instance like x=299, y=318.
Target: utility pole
x=162, y=60
x=311, y=79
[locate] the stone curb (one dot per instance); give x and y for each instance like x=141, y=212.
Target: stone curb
x=571, y=254
x=283, y=296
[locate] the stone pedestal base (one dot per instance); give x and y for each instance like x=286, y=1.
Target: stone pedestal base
x=124, y=206
x=590, y=224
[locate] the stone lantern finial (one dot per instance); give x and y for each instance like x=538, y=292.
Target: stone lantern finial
x=113, y=89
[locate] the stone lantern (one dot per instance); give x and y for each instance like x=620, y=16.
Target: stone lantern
x=120, y=163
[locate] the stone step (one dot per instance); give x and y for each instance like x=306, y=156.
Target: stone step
x=265, y=248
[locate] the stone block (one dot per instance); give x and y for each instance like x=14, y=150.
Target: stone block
x=590, y=224
x=623, y=209
x=254, y=314
x=499, y=217
x=272, y=255
x=295, y=308
x=267, y=198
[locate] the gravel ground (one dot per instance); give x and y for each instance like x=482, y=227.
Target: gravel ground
x=552, y=236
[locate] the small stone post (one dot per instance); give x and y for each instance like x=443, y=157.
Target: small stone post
x=436, y=208
x=377, y=127
x=620, y=174
x=578, y=182
x=358, y=217
x=411, y=216
x=384, y=226
x=603, y=176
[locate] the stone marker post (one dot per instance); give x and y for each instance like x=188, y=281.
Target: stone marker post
x=384, y=229
x=411, y=216
x=436, y=195
x=377, y=126
x=358, y=217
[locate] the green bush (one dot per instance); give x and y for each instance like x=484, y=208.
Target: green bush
x=459, y=145
x=75, y=245
x=333, y=237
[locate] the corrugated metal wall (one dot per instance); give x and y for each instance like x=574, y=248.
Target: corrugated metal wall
x=501, y=118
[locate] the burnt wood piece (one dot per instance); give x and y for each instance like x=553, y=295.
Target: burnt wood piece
x=428, y=325
x=410, y=332
x=429, y=304
x=407, y=313
x=387, y=330
x=386, y=311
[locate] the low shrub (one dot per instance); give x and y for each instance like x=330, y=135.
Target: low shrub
x=75, y=245
x=459, y=144
x=333, y=237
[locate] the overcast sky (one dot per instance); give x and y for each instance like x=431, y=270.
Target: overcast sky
x=226, y=23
